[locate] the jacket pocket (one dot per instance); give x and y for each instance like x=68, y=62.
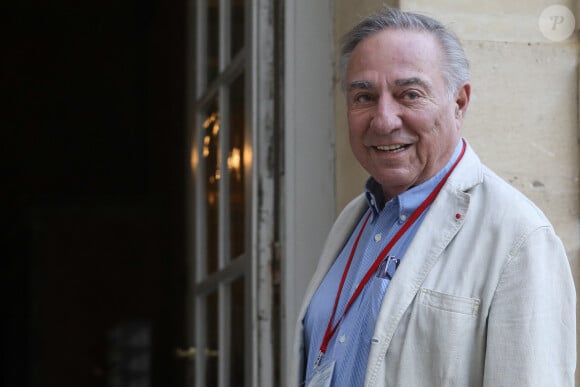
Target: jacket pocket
x=440, y=341
x=449, y=303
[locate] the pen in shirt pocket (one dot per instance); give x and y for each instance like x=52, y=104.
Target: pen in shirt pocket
x=388, y=267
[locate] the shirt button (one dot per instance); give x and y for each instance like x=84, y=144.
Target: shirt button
x=342, y=339
x=403, y=217
x=378, y=237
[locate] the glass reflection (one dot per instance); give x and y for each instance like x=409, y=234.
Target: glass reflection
x=211, y=154
x=236, y=170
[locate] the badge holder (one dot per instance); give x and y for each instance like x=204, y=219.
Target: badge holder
x=322, y=375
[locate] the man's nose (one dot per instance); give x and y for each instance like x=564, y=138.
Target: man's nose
x=387, y=115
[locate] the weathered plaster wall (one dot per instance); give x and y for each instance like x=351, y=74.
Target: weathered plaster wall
x=523, y=116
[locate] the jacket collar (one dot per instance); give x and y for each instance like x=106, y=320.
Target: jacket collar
x=468, y=173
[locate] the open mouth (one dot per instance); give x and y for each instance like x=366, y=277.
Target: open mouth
x=391, y=148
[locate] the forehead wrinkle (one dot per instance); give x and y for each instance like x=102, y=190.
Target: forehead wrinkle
x=413, y=81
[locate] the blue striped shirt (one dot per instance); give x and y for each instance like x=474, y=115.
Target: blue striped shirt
x=351, y=343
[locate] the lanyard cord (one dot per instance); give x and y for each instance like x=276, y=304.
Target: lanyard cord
x=330, y=328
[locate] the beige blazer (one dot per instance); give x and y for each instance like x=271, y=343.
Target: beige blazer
x=483, y=297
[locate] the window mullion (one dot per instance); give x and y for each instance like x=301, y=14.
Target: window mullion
x=224, y=209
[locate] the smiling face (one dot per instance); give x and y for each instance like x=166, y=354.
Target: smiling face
x=403, y=127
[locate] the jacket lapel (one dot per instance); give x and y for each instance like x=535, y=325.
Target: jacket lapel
x=442, y=222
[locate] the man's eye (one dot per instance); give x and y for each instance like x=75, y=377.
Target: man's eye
x=411, y=95
x=363, y=98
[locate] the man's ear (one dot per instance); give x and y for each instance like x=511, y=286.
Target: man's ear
x=462, y=100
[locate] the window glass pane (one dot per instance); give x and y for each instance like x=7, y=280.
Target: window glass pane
x=236, y=168
x=213, y=28
x=237, y=26
x=211, y=351
x=237, y=333
x=211, y=128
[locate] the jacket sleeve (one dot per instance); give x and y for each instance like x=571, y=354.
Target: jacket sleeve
x=531, y=338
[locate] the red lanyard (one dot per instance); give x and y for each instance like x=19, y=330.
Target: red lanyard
x=330, y=328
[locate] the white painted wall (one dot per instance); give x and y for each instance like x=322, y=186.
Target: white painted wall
x=309, y=153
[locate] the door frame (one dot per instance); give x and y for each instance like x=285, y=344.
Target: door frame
x=308, y=184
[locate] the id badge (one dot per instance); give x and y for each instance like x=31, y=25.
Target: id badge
x=322, y=375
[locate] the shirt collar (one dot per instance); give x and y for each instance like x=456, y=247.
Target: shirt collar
x=408, y=201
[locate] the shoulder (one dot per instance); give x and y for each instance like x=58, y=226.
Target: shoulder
x=491, y=197
x=354, y=208
x=349, y=216
x=506, y=202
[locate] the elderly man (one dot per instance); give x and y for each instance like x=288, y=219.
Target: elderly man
x=440, y=274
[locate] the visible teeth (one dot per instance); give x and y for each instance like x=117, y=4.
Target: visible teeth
x=390, y=148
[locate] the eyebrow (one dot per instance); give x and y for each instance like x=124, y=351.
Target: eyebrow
x=366, y=85
x=411, y=82
x=360, y=85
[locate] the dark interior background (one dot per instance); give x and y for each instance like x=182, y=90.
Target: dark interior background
x=93, y=161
